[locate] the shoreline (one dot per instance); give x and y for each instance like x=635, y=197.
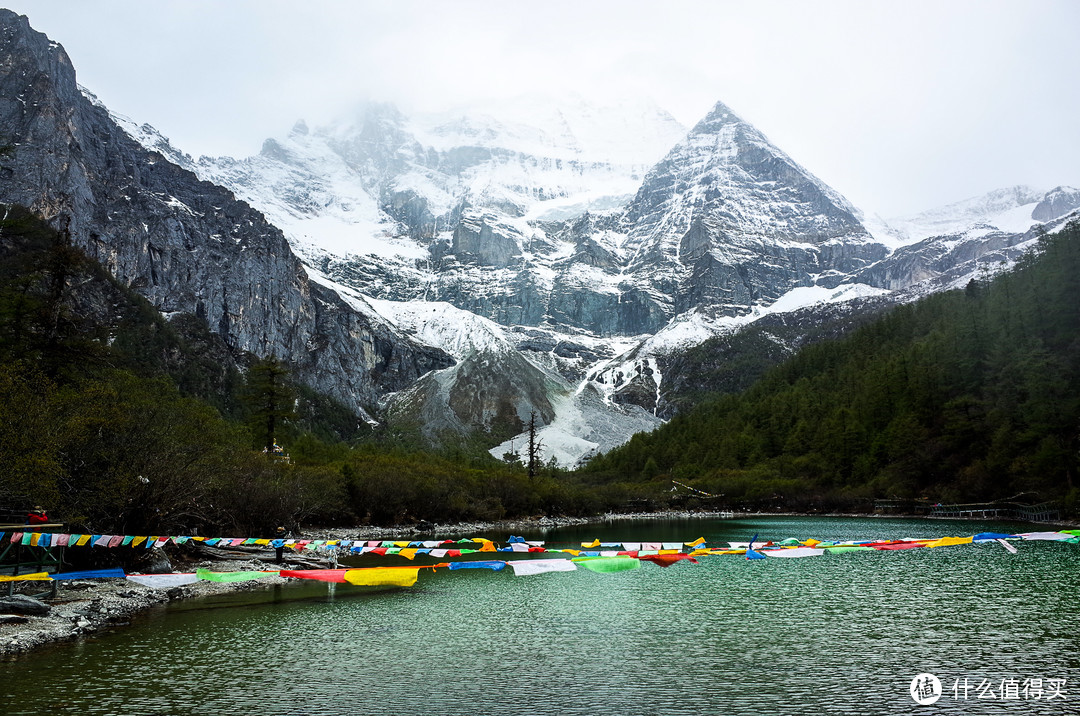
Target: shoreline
x=85, y=608
x=545, y=524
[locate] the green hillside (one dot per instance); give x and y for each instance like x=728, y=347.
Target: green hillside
x=968, y=395
x=116, y=420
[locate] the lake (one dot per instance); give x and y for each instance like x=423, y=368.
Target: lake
x=837, y=634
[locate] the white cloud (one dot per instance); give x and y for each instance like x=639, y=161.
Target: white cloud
x=900, y=106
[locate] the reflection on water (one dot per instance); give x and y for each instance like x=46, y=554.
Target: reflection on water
x=837, y=634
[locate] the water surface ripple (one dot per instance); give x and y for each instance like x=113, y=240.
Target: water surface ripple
x=839, y=634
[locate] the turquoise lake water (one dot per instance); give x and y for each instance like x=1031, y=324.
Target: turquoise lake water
x=838, y=634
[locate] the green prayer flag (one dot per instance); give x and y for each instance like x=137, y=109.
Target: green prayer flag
x=209, y=576
x=607, y=565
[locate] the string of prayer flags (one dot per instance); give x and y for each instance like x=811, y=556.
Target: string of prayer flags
x=606, y=560
x=660, y=553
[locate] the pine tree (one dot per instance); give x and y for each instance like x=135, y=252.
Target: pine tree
x=270, y=399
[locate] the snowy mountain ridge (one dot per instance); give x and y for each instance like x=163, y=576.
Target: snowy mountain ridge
x=533, y=239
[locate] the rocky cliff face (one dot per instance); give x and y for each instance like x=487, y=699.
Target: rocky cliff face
x=186, y=245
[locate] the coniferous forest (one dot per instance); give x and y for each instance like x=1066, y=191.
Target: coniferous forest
x=118, y=420
x=962, y=396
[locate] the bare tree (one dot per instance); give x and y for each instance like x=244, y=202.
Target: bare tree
x=534, y=447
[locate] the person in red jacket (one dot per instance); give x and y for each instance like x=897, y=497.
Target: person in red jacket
x=36, y=516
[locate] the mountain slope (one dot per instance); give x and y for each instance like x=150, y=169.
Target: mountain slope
x=961, y=396
x=489, y=214
x=578, y=246
x=186, y=245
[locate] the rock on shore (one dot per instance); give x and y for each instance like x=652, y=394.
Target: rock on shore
x=87, y=607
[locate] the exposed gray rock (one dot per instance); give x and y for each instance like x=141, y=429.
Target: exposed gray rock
x=487, y=392
x=479, y=238
x=24, y=605
x=1057, y=203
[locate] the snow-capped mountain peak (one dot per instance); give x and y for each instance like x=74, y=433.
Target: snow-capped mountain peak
x=533, y=237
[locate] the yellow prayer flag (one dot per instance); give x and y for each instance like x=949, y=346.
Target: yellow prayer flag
x=383, y=576
x=262, y=542
x=83, y=539
x=137, y=541
x=594, y=543
x=949, y=541
x=401, y=544
x=811, y=542
x=487, y=547
x=695, y=543
x=34, y=539
x=408, y=553
x=33, y=577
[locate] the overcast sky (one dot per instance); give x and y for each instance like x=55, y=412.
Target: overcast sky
x=901, y=106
